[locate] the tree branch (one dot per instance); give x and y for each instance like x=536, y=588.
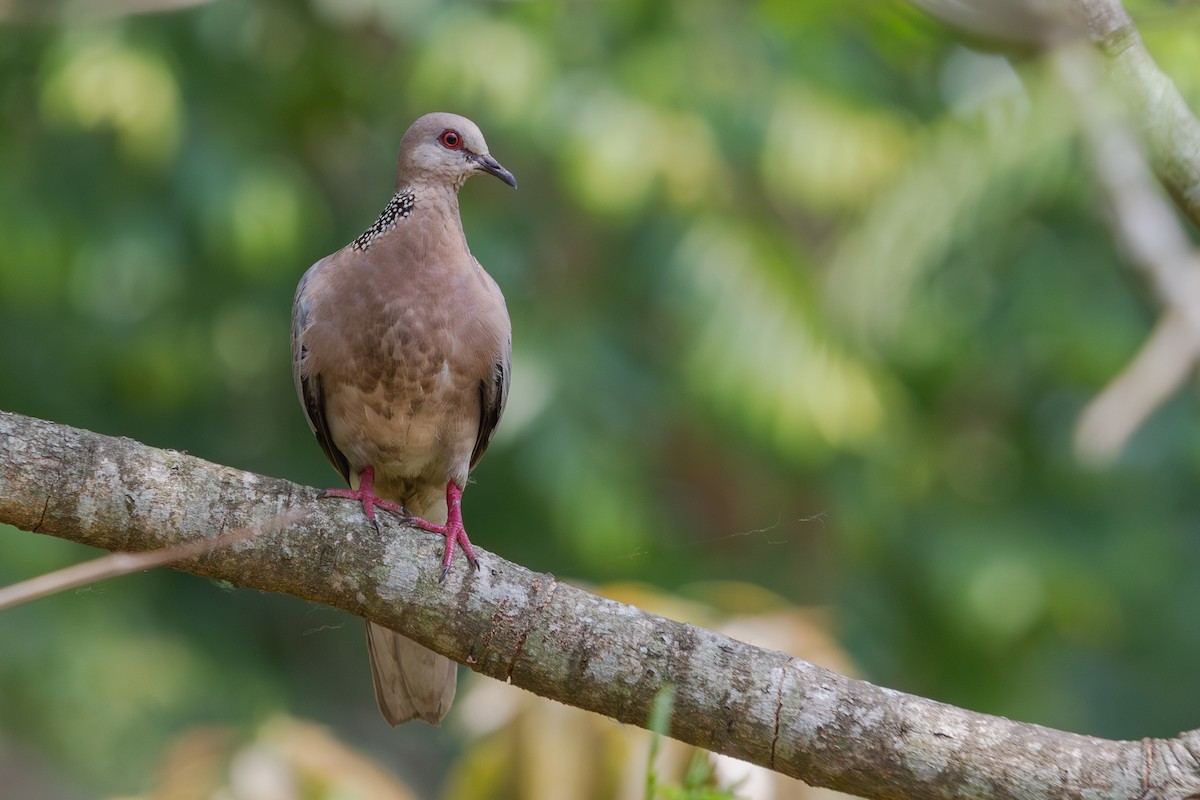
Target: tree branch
x=1148, y=230
x=1143, y=224
x=1162, y=115
x=559, y=641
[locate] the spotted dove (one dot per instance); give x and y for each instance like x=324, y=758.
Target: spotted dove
x=400, y=351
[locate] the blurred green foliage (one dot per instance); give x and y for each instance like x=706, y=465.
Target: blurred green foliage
x=803, y=294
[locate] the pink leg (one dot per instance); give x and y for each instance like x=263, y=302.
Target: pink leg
x=453, y=530
x=365, y=494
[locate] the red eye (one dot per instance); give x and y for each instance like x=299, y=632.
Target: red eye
x=451, y=140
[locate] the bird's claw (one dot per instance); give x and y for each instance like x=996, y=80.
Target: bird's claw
x=455, y=536
x=446, y=569
x=370, y=501
x=452, y=530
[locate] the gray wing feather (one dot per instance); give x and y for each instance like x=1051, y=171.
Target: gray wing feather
x=308, y=385
x=493, y=394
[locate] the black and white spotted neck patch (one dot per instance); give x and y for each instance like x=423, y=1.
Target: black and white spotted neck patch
x=399, y=207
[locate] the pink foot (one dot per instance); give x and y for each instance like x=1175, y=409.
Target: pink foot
x=453, y=530
x=370, y=501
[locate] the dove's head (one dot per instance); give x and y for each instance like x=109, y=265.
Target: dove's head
x=445, y=149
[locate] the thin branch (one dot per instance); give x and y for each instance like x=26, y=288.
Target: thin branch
x=1144, y=225
x=1161, y=114
x=1150, y=233
x=1028, y=23
x=42, y=11
x=559, y=641
x=114, y=565
x=1158, y=370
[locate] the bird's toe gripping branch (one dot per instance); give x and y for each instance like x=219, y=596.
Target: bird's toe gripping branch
x=365, y=494
x=453, y=530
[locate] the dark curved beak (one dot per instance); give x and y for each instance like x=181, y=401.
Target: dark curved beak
x=491, y=166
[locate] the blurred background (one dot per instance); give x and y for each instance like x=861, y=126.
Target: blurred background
x=806, y=298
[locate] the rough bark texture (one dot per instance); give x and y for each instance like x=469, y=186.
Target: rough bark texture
x=559, y=641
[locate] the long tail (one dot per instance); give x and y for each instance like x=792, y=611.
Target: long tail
x=411, y=681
